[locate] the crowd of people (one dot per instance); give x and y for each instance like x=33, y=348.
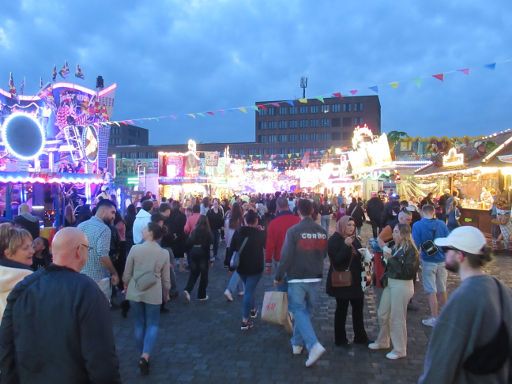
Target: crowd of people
x=100, y=255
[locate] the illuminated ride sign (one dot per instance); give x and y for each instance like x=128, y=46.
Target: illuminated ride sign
x=91, y=144
x=453, y=159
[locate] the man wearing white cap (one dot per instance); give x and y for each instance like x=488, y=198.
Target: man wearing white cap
x=471, y=341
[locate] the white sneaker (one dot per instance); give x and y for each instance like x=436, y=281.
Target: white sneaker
x=394, y=356
x=316, y=352
x=297, y=349
x=187, y=296
x=241, y=293
x=228, y=295
x=205, y=298
x=430, y=322
x=375, y=346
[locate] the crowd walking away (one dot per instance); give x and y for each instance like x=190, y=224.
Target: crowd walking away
x=154, y=257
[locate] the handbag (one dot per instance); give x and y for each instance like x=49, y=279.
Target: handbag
x=275, y=308
x=429, y=247
x=340, y=279
x=235, y=258
x=491, y=357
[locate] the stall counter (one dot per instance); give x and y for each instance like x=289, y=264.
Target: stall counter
x=479, y=218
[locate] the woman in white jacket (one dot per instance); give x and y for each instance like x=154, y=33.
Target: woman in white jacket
x=16, y=253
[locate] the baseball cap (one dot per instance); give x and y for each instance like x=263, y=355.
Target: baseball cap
x=411, y=208
x=466, y=238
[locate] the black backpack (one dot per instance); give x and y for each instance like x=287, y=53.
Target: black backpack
x=489, y=358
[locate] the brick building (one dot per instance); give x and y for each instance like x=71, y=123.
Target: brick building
x=286, y=129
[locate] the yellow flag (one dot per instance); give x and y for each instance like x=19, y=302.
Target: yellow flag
x=242, y=109
x=394, y=84
x=303, y=101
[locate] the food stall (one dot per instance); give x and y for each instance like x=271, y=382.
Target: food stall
x=53, y=148
x=478, y=177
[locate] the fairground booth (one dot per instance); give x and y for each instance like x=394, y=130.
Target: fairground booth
x=53, y=148
x=479, y=172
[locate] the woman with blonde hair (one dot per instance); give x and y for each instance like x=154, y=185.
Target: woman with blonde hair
x=15, y=259
x=402, y=264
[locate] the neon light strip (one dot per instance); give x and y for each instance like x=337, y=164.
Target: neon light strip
x=499, y=148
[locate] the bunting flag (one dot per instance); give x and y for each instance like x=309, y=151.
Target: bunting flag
x=40, y=83
x=418, y=81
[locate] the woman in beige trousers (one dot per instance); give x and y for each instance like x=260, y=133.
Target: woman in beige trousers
x=402, y=263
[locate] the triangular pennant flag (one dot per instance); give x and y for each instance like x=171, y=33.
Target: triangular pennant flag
x=438, y=76
x=338, y=94
x=320, y=98
x=374, y=89
x=289, y=155
x=464, y=71
x=221, y=111
x=394, y=84
x=173, y=117
x=291, y=102
x=200, y=114
x=191, y=115
x=262, y=106
x=276, y=104
x=255, y=108
x=303, y=101
x=490, y=66
x=353, y=92
x=211, y=113
x=418, y=82
x=242, y=109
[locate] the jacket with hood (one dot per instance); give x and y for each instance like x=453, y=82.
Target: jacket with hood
x=28, y=222
x=142, y=219
x=11, y=273
x=429, y=229
x=303, y=252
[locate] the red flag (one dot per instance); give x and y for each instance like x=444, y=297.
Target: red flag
x=262, y=106
x=464, y=71
x=353, y=92
x=210, y=113
x=439, y=76
x=338, y=94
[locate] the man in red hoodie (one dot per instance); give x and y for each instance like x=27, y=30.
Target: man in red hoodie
x=276, y=233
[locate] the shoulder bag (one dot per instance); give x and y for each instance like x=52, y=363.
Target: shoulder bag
x=340, y=279
x=235, y=258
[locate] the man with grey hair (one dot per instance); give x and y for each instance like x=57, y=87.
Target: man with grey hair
x=79, y=346
x=27, y=221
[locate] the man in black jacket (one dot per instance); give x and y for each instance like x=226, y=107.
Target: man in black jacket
x=77, y=343
x=374, y=208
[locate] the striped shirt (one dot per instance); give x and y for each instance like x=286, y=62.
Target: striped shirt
x=99, y=235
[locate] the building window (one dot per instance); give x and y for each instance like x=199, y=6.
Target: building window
x=314, y=123
x=263, y=112
x=358, y=107
x=358, y=120
x=336, y=107
x=293, y=110
x=336, y=122
x=315, y=109
x=325, y=108
x=271, y=111
x=347, y=107
x=325, y=122
x=283, y=110
x=304, y=109
x=283, y=124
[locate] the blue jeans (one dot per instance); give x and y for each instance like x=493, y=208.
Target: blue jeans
x=235, y=284
x=301, y=301
x=147, y=318
x=325, y=220
x=250, y=281
x=216, y=239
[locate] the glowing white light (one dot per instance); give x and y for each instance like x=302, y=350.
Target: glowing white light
x=8, y=145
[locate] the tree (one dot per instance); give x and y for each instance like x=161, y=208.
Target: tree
x=394, y=138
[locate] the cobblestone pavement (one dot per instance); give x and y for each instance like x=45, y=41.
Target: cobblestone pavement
x=201, y=342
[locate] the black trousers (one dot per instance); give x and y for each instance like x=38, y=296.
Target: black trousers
x=375, y=229
x=199, y=266
x=340, y=318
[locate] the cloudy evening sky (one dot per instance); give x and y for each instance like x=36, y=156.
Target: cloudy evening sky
x=177, y=57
